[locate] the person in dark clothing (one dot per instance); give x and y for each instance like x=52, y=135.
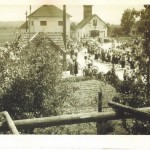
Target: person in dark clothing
x=122, y=62
x=96, y=55
x=72, y=52
x=108, y=57
x=75, y=67
x=71, y=66
x=125, y=75
x=132, y=62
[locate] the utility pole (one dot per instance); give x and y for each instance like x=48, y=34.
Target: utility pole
x=64, y=25
x=64, y=35
x=29, y=22
x=26, y=21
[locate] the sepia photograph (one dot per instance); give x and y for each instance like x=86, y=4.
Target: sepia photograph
x=74, y=68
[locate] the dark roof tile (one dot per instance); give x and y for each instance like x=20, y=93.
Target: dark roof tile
x=23, y=26
x=84, y=22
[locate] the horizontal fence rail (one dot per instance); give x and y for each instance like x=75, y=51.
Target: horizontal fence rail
x=68, y=119
x=138, y=114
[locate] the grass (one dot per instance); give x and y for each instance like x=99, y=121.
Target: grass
x=85, y=97
x=6, y=35
x=84, y=100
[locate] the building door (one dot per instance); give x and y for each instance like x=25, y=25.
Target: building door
x=94, y=33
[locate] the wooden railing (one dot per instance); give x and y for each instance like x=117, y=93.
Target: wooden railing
x=123, y=112
x=10, y=123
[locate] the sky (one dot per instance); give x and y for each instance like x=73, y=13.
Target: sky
x=14, y=10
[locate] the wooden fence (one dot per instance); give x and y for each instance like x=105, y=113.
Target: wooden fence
x=123, y=112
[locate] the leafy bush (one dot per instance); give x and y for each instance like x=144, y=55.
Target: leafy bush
x=31, y=79
x=111, y=78
x=133, y=95
x=130, y=94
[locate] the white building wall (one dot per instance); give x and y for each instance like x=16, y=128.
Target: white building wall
x=51, y=26
x=101, y=27
x=78, y=33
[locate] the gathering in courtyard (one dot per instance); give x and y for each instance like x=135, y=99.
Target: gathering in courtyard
x=123, y=57
x=58, y=72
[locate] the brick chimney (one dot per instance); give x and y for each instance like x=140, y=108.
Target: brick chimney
x=87, y=11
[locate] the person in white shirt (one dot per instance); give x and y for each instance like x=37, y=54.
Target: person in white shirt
x=89, y=62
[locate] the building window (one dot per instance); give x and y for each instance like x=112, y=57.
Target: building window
x=60, y=23
x=95, y=22
x=43, y=23
x=31, y=23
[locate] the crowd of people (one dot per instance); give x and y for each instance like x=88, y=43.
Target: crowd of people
x=73, y=47
x=124, y=55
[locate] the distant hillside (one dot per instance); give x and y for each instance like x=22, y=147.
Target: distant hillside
x=7, y=30
x=11, y=23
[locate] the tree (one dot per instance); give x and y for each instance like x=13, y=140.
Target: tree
x=145, y=19
x=128, y=20
x=116, y=30
x=144, y=29
x=137, y=94
x=31, y=79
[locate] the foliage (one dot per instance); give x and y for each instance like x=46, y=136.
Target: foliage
x=143, y=23
x=116, y=30
x=31, y=79
x=112, y=78
x=133, y=95
x=137, y=94
x=128, y=20
x=83, y=99
x=145, y=29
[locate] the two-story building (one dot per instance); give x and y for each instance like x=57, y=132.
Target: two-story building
x=91, y=25
x=47, y=18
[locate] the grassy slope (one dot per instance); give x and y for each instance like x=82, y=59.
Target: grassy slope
x=84, y=101
x=86, y=96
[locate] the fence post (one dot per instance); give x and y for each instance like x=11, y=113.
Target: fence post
x=101, y=129
x=10, y=123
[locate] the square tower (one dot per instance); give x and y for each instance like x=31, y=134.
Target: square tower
x=87, y=11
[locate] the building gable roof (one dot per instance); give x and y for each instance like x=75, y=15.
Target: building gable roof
x=48, y=11
x=86, y=20
x=24, y=25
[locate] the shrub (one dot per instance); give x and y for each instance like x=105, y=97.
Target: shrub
x=133, y=95
x=31, y=79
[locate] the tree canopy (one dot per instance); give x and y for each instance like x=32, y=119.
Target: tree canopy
x=31, y=79
x=128, y=20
